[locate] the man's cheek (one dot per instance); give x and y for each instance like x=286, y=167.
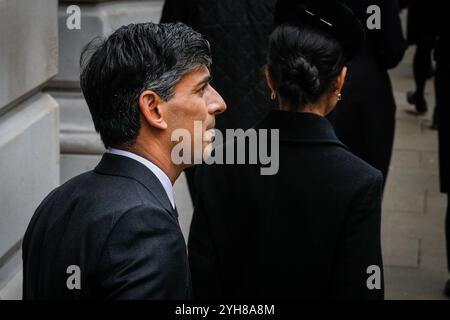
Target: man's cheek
x=200, y=111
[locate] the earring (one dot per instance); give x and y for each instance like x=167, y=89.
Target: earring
x=339, y=96
x=273, y=96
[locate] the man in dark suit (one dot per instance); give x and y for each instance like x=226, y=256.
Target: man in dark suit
x=113, y=233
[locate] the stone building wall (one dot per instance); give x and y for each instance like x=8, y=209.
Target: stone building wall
x=29, y=125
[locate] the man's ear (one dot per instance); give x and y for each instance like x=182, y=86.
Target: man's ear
x=340, y=80
x=269, y=80
x=150, y=107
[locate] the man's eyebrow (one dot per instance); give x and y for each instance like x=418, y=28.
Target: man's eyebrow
x=205, y=80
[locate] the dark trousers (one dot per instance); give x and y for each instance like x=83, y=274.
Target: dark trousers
x=422, y=65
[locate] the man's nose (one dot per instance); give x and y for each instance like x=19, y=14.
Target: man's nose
x=216, y=104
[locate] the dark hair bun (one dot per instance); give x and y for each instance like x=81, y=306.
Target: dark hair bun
x=303, y=63
x=304, y=73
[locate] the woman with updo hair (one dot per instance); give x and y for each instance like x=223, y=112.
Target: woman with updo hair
x=306, y=69
x=312, y=230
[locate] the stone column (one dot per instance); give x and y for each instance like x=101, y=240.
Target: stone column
x=29, y=125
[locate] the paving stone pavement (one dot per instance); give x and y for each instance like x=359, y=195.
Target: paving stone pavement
x=413, y=234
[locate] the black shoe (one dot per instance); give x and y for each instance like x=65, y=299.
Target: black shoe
x=420, y=103
x=411, y=97
x=447, y=289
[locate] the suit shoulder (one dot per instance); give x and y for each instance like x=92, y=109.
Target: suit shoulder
x=114, y=191
x=95, y=201
x=358, y=166
x=148, y=214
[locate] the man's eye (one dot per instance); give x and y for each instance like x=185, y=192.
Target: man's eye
x=202, y=89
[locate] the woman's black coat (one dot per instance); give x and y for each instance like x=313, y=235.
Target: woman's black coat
x=310, y=231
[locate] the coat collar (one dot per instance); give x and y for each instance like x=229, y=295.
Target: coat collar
x=301, y=127
x=116, y=165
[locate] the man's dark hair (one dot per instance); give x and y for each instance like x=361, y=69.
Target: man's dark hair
x=135, y=58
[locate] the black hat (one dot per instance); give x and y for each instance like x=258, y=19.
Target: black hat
x=331, y=16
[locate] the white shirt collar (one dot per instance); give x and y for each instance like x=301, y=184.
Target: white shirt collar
x=162, y=177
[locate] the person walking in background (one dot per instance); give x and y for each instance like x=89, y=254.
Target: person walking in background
x=312, y=229
x=365, y=117
x=238, y=32
x=421, y=31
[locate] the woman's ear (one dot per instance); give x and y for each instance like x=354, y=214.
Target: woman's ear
x=150, y=107
x=341, y=79
x=269, y=80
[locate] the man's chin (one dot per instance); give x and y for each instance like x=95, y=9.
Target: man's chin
x=207, y=150
x=208, y=135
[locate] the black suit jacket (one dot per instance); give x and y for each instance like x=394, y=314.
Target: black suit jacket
x=310, y=231
x=117, y=225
